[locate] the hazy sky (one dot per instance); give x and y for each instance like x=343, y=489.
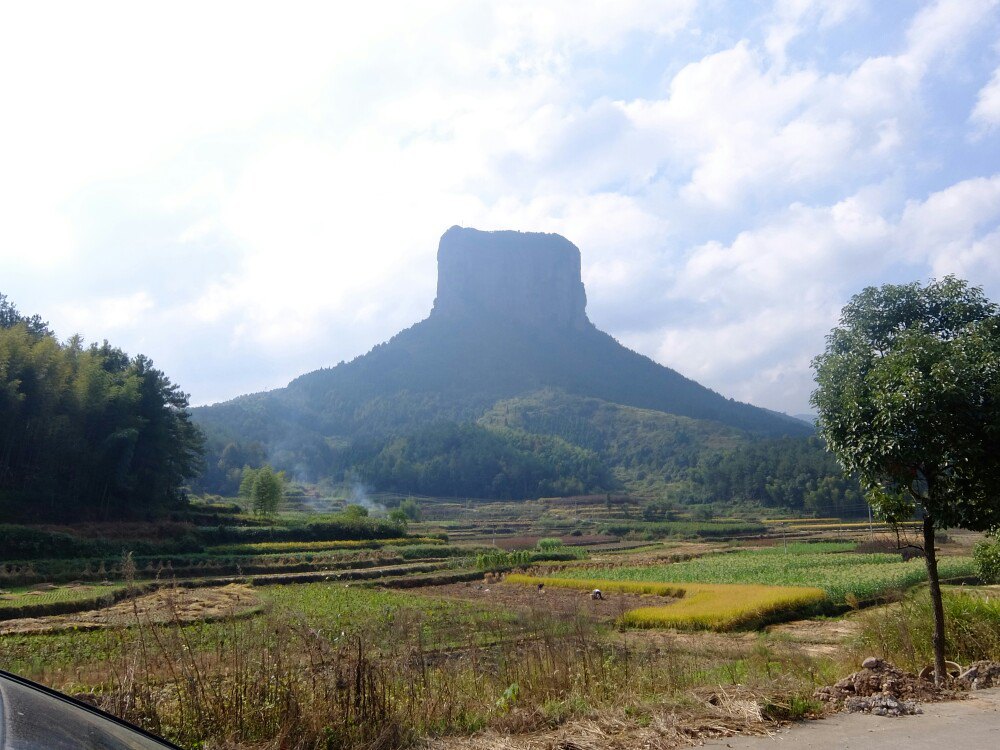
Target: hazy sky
x=247, y=192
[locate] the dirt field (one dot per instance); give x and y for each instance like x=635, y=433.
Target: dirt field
x=165, y=605
x=564, y=602
x=818, y=637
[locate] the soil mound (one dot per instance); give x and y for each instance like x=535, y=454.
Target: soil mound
x=883, y=689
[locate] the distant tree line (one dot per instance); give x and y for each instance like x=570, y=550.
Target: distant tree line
x=87, y=432
x=794, y=473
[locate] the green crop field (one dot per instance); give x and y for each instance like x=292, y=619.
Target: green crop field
x=842, y=575
x=12, y=600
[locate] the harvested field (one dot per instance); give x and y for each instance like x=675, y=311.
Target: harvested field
x=818, y=637
x=165, y=605
x=558, y=601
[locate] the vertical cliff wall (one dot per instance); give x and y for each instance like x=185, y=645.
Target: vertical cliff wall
x=528, y=277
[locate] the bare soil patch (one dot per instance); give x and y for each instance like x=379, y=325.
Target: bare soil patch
x=165, y=605
x=818, y=637
x=550, y=600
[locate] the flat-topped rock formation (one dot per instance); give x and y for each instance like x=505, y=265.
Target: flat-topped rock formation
x=527, y=277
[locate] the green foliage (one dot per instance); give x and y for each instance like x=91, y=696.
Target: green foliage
x=842, y=576
x=909, y=398
x=454, y=460
x=499, y=559
x=30, y=543
x=794, y=473
x=87, y=432
x=333, y=421
x=398, y=516
x=549, y=544
x=902, y=633
x=267, y=492
x=659, y=510
x=247, y=479
x=353, y=510
x=987, y=557
x=660, y=529
x=410, y=508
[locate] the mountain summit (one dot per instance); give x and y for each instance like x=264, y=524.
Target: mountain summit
x=524, y=277
x=509, y=322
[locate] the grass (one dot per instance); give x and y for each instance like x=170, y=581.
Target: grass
x=700, y=606
x=314, y=672
x=901, y=632
x=844, y=577
x=257, y=548
x=36, y=601
x=26, y=596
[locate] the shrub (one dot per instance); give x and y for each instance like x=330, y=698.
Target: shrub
x=901, y=633
x=987, y=557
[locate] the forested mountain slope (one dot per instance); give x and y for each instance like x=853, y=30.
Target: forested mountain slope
x=509, y=321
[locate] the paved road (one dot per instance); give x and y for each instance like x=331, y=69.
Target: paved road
x=956, y=725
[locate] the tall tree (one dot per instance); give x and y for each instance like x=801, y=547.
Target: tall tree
x=268, y=491
x=909, y=398
x=87, y=432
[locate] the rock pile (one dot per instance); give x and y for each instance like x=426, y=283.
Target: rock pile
x=882, y=689
x=981, y=675
x=881, y=705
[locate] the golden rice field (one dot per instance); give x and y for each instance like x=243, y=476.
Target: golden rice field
x=699, y=606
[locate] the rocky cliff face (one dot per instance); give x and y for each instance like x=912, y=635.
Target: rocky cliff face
x=527, y=277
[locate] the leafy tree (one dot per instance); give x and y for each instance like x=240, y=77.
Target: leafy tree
x=87, y=432
x=410, y=509
x=399, y=517
x=247, y=480
x=353, y=510
x=268, y=491
x=909, y=398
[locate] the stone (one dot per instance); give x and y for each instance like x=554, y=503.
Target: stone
x=528, y=277
x=871, y=662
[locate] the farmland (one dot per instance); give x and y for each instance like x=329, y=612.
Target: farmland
x=443, y=621
x=842, y=575
x=708, y=606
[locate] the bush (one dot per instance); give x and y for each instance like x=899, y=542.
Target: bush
x=549, y=544
x=28, y=543
x=987, y=557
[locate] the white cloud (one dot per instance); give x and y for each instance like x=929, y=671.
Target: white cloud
x=111, y=314
x=276, y=181
x=987, y=109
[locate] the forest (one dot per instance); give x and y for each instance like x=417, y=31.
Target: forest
x=87, y=432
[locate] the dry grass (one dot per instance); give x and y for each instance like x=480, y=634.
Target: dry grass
x=166, y=605
x=275, y=682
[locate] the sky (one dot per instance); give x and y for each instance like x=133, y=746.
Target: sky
x=245, y=192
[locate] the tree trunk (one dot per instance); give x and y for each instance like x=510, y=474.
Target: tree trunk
x=930, y=557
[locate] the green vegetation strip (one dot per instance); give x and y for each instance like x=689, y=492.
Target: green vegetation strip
x=56, y=601
x=321, y=546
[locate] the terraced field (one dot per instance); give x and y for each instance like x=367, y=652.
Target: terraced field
x=844, y=576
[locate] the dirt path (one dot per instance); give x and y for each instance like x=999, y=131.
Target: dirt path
x=973, y=723
x=165, y=605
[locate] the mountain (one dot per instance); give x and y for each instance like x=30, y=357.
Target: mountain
x=509, y=321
